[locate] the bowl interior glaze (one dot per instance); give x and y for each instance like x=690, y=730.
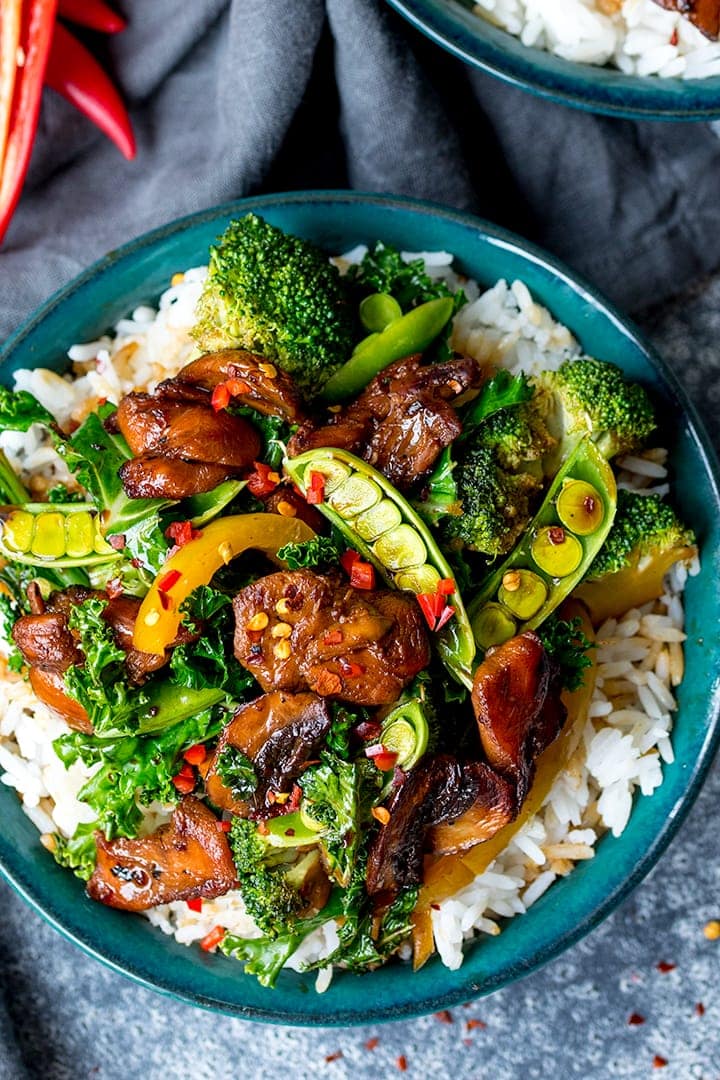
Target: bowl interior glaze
x=337, y=221
x=452, y=25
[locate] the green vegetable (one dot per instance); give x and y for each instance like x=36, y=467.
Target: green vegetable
x=264, y=957
x=378, y=310
x=199, y=509
x=382, y=526
x=644, y=526
x=19, y=410
x=411, y=333
x=497, y=393
x=383, y=270
x=276, y=295
x=588, y=465
x=132, y=770
x=78, y=853
x=591, y=397
x=321, y=553
x=237, y=772
x=65, y=535
x=10, y=612
x=275, y=432
x=405, y=731
x=10, y=487
x=567, y=645
x=332, y=799
x=209, y=662
x=160, y=704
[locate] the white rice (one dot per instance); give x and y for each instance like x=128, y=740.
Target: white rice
x=640, y=39
x=627, y=736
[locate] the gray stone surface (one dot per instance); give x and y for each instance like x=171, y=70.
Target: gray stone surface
x=73, y=1018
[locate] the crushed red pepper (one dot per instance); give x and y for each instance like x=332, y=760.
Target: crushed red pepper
x=402, y=1063
x=659, y=1062
x=635, y=1019
x=372, y=1043
x=334, y=1057
x=664, y=967
x=699, y=1009
x=444, y=1016
x=474, y=1025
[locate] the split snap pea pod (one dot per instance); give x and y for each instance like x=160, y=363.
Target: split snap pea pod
x=59, y=534
x=411, y=333
x=554, y=553
x=383, y=528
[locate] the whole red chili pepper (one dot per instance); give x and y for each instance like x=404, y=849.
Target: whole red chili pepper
x=25, y=35
x=95, y=14
x=75, y=73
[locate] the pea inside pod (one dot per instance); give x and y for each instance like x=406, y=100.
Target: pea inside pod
x=63, y=535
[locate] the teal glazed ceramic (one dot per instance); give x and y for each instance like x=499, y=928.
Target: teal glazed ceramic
x=452, y=24
x=338, y=221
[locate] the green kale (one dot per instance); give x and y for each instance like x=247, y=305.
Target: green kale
x=78, y=853
x=321, y=553
x=19, y=410
x=237, y=772
x=61, y=493
x=210, y=661
x=275, y=432
x=383, y=270
x=567, y=645
x=10, y=612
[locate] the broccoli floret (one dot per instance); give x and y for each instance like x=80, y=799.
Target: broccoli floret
x=496, y=504
x=644, y=526
x=588, y=396
x=270, y=878
x=519, y=437
x=276, y=295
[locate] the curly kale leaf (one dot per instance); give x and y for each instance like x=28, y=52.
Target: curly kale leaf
x=237, y=772
x=210, y=661
x=321, y=553
x=566, y=644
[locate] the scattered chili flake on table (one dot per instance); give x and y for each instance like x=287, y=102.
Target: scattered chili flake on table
x=372, y=1043
x=659, y=1062
x=699, y=1009
x=334, y=1057
x=473, y=1025
x=635, y=1019
x=467, y=1042
x=664, y=967
x=402, y=1063
x=712, y=930
x=444, y=1016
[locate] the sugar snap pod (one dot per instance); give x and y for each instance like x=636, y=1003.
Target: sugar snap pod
x=56, y=534
x=382, y=526
x=555, y=551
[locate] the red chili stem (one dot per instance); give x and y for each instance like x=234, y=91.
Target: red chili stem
x=74, y=73
x=95, y=14
x=16, y=139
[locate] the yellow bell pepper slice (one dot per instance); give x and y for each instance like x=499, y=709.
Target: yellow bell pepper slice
x=195, y=563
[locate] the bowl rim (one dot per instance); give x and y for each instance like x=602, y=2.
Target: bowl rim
x=696, y=774
x=569, y=82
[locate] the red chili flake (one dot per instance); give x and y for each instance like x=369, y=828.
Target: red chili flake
x=184, y=784
x=659, y=1062
x=445, y=617
x=294, y=801
x=431, y=605
x=371, y=1044
x=467, y=1042
x=211, y=941
x=167, y=581
x=375, y=750
x=334, y=1057
x=181, y=533
x=316, y=492
x=195, y=905
x=386, y=762
x=103, y=400
x=635, y=1019
x=165, y=601
x=114, y=588
x=262, y=828
x=475, y=1025
x=362, y=575
x=436, y=907
x=236, y=387
x=401, y=1063
x=116, y=541
x=368, y=729
x=137, y=563
x=664, y=967
x=444, y=1016
x=347, y=559
x=263, y=480
x=674, y=37
x=350, y=669
x=446, y=586
x=327, y=683
x=556, y=535
x=223, y=826
x=333, y=638
x=195, y=755
x=699, y=1009
x=220, y=397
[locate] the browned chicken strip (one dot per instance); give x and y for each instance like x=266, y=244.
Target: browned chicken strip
x=298, y=630
x=153, y=477
x=184, y=860
x=269, y=390
x=279, y=732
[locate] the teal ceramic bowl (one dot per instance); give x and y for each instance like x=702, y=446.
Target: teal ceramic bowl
x=337, y=221
x=451, y=24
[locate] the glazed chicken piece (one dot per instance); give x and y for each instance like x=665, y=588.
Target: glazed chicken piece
x=705, y=14
x=340, y=642
x=279, y=732
x=495, y=806
x=516, y=699
x=184, y=860
x=49, y=647
x=402, y=420
x=438, y=789
x=269, y=390
x=152, y=477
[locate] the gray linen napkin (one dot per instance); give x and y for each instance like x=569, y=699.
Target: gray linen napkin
x=229, y=97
